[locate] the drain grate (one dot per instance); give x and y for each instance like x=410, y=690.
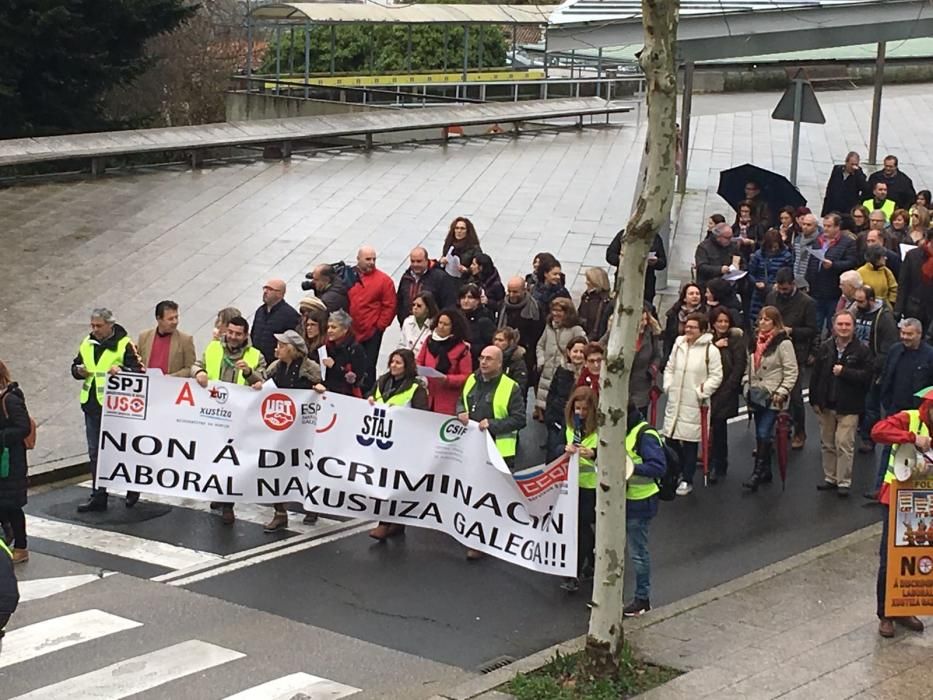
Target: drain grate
x=496, y=663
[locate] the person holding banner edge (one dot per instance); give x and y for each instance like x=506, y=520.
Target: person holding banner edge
x=398, y=387
x=495, y=402
x=233, y=360
x=105, y=351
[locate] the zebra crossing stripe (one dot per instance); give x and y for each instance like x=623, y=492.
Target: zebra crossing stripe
x=138, y=674
x=304, y=685
x=60, y=633
x=34, y=589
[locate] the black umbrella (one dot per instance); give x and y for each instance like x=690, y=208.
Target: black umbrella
x=776, y=190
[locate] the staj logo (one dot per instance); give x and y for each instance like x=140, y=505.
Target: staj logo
x=376, y=429
x=278, y=411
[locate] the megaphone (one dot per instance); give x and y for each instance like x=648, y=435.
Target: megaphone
x=909, y=463
x=629, y=467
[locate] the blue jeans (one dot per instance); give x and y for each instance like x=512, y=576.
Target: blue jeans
x=764, y=423
x=825, y=308
x=636, y=539
x=92, y=434
x=687, y=451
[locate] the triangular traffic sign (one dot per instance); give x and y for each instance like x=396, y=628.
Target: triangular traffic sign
x=810, y=111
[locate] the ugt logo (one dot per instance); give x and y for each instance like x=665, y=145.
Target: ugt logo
x=278, y=411
x=376, y=429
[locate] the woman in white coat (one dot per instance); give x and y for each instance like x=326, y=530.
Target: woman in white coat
x=693, y=372
x=417, y=328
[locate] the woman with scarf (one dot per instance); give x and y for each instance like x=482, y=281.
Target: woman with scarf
x=769, y=379
x=447, y=352
x=463, y=242
x=729, y=339
x=719, y=292
x=561, y=328
x=915, y=291
x=788, y=227
x=593, y=355
x=514, y=364
x=416, y=329
x=690, y=301
x=562, y=385
x=346, y=363
x=399, y=386
x=647, y=362
x=313, y=328
x=763, y=268
x=877, y=275
x=595, y=304
x=291, y=369
x=549, y=281
x=485, y=276
x=479, y=319
x=860, y=219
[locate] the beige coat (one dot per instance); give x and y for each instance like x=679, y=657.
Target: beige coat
x=777, y=373
x=691, y=376
x=551, y=350
x=181, y=353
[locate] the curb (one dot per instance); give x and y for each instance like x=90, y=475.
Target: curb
x=61, y=470
x=476, y=687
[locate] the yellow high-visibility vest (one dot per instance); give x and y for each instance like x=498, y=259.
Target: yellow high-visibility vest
x=507, y=444
x=401, y=399
x=97, y=370
x=917, y=427
x=587, y=477
x=214, y=357
x=638, y=487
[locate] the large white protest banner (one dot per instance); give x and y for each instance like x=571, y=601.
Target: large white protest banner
x=340, y=456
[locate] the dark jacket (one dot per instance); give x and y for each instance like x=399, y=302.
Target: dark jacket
x=9, y=590
x=482, y=329
x=267, y=322
x=725, y=400
x=900, y=188
x=653, y=465
x=710, y=258
x=515, y=366
x=763, y=268
x=131, y=362
x=529, y=322
x=672, y=329
x=843, y=193
x=877, y=331
x=799, y=315
x=492, y=287
x=558, y=394
x=905, y=373
x=14, y=427
x=300, y=374
x=434, y=280
x=544, y=294
x=914, y=293
x=657, y=247
x=348, y=356
x=646, y=365
x=824, y=284
x=844, y=394
x=594, y=311
x=389, y=388
x=479, y=406
x=335, y=297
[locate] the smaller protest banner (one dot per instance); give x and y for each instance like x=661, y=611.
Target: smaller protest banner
x=909, y=584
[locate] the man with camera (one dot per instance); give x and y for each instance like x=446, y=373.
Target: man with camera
x=328, y=287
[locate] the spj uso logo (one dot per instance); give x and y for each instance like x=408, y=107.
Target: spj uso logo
x=376, y=428
x=278, y=411
x=127, y=395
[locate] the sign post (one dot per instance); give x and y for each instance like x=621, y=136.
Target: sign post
x=798, y=104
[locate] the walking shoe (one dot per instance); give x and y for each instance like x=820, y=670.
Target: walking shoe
x=886, y=627
x=636, y=608
x=21, y=555
x=474, y=554
x=310, y=518
x=132, y=498
x=684, y=489
x=827, y=486
x=93, y=503
x=279, y=522
x=384, y=531
x=216, y=505
x=571, y=585
x=227, y=515
x=910, y=622
x=798, y=441
x=842, y=492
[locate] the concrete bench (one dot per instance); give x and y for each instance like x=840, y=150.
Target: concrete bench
x=277, y=136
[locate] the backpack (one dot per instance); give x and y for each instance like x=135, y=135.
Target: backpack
x=347, y=273
x=29, y=442
x=667, y=484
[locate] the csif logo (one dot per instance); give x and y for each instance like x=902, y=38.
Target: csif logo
x=376, y=429
x=278, y=411
x=452, y=430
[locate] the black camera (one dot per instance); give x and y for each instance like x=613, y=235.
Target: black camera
x=308, y=284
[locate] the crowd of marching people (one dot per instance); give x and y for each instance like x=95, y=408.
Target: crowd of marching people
x=781, y=303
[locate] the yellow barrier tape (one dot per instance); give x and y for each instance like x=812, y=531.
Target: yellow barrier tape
x=411, y=79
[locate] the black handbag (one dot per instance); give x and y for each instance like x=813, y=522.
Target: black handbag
x=758, y=397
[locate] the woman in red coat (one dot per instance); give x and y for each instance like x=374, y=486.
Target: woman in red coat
x=448, y=352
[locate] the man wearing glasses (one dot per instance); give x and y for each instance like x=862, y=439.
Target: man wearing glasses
x=274, y=316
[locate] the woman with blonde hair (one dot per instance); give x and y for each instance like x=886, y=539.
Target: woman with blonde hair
x=224, y=316
x=919, y=225
x=562, y=326
x=595, y=304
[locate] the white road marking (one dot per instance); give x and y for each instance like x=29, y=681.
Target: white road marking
x=138, y=674
x=34, y=589
x=59, y=633
x=302, y=684
x=169, y=556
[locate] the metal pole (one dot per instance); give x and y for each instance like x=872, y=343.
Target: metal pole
x=876, y=105
x=249, y=48
x=307, y=58
x=795, y=141
x=291, y=51
x=573, y=60
x=446, y=40
x=466, y=51
x=514, y=43
x=479, y=48
x=333, y=49
x=278, y=56
x=545, y=53
x=686, y=106
x=408, y=61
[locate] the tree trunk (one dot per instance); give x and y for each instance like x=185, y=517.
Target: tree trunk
x=652, y=209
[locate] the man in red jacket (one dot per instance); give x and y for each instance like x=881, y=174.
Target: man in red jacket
x=372, y=307
x=912, y=427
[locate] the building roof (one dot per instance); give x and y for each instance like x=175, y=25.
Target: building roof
x=374, y=13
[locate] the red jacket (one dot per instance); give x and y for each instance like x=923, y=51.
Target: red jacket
x=372, y=304
x=443, y=393
x=895, y=430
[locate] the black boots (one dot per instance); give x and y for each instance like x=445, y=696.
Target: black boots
x=762, y=471
x=95, y=503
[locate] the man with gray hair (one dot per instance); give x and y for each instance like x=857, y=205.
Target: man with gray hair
x=106, y=350
x=714, y=255
x=803, y=240
x=850, y=282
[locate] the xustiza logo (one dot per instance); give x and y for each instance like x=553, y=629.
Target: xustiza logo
x=376, y=428
x=278, y=411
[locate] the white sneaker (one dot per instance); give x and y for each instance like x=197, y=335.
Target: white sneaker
x=684, y=489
